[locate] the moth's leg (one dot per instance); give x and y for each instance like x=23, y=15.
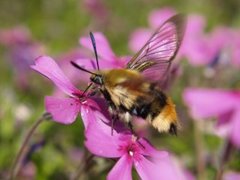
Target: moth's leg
x=94, y=89
x=127, y=117
x=114, y=115
x=173, y=129
x=131, y=127
x=113, y=120
x=132, y=131
x=94, y=92
x=112, y=108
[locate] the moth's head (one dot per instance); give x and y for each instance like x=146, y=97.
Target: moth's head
x=97, y=79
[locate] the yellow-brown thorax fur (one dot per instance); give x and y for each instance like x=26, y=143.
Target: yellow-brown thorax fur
x=130, y=94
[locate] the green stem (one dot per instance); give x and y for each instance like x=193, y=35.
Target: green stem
x=17, y=162
x=227, y=151
x=84, y=165
x=199, y=150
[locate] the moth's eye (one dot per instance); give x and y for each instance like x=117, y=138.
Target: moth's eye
x=97, y=79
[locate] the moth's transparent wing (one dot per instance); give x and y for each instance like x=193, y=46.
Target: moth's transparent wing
x=155, y=57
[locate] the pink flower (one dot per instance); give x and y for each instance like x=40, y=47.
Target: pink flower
x=158, y=17
x=140, y=36
x=196, y=45
x=235, y=48
x=21, y=51
x=222, y=104
x=107, y=58
x=200, y=48
x=226, y=43
x=98, y=10
x=148, y=162
x=221, y=45
x=15, y=36
x=28, y=171
x=65, y=110
x=231, y=175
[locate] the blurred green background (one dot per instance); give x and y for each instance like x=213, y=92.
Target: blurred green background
x=57, y=25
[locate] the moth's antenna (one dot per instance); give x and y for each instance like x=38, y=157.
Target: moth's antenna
x=94, y=47
x=81, y=68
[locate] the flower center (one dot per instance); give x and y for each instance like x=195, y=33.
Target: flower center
x=132, y=149
x=130, y=153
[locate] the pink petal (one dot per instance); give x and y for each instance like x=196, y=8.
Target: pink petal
x=28, y=171
x=225, y=117
x=221, y=37
x=236, y=49
x=92, y=103
x=99, y=139
x=236, y=56
x=235, y=135
x=158, y=17
x=204, y=103
x=87, y=63
x=116, y=63
x=189, y=175
x=224, y=124
x=74, y=74
x=91, y=107
x=195, y=25
x=87, y=115
x=199, y=51
x=15, y=36
x=122, y=169
x=103, y=48
x=48, y=67
x=104, y=64
x=89, y=112
x=63, y=110
x=73, y=54
x=97, y=9
x=196, y=46
x=149, y=150
x=158, y=169
x=138, y=38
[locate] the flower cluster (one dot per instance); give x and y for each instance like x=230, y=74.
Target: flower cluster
x=199, y=47
x=22, y=50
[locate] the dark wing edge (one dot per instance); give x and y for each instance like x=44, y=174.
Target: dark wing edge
x=155, y=57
